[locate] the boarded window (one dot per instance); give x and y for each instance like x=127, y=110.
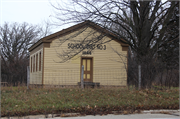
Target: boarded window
x=31, y=64
x=40, y=61
x=36, y=62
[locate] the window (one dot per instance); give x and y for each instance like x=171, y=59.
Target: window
x=36, y=62
x=31, y=64
x=40, y=61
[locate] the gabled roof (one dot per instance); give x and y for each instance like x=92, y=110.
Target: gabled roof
x=50, y=38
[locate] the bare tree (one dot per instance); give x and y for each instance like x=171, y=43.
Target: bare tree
x=142, y=24
x=169, y=52
x=16, y=39
x=45, y=28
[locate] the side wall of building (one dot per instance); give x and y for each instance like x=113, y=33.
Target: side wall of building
x=109, y=60
x=36, y=65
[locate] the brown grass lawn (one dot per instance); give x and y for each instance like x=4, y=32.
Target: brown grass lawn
x=20, y=102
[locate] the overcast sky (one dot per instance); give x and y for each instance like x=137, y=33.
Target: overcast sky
x=30, y=11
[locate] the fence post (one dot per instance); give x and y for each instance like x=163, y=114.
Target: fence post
x=0, y=73
x=82, y=74
x=28, y=77
x=139, y=77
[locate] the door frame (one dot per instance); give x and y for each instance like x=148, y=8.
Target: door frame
x=91, y=67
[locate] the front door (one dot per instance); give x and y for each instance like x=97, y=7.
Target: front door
x=88, y=66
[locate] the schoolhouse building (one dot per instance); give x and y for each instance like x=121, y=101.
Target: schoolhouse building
x=57, y=59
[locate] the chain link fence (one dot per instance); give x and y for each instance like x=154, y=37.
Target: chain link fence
x=106, y=77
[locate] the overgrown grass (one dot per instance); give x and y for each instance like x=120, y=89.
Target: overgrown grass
x=20, y=101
